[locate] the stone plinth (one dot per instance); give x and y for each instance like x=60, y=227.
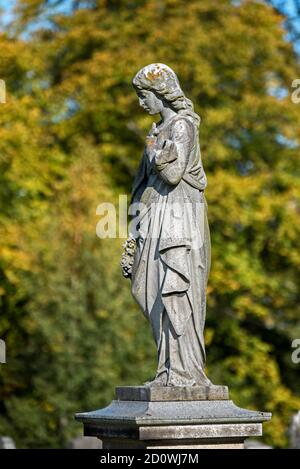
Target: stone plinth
x=172, y=417
x=171, y=393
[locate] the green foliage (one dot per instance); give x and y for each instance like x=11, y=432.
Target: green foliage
x=71, y=136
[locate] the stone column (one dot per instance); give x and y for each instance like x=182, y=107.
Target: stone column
x=172, y=418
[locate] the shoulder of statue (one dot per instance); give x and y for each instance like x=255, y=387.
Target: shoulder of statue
x=182, y=126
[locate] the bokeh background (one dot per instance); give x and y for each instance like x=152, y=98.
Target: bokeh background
x=71, y=136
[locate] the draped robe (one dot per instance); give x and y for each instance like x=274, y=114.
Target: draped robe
x=172, y=259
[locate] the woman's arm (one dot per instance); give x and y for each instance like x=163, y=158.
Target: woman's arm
x=171, y=161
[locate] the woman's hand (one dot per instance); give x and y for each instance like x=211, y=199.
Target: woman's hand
x=167, y=154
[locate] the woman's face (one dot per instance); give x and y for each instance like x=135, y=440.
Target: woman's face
x=150, y=102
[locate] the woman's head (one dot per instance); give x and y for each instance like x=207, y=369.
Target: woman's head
x=157, y=83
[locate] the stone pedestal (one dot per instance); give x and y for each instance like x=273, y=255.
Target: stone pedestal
x=172, y=418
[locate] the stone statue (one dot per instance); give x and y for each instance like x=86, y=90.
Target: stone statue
x=167, y=255
x=167, y=258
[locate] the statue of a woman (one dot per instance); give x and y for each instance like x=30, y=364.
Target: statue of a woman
x=170, y=248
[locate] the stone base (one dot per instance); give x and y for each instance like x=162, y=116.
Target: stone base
x=170, y=444
x=172, y=393
x=172, y=418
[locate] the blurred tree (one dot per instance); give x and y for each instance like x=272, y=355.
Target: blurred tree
x=71, y=136
x=290, y=9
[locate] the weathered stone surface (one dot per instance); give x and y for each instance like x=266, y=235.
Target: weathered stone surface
x=167, y=257
x=172, y=444
x=166, y=413
x=193, y=424
x=208, y=431
x=167, y=254
x=171, y=393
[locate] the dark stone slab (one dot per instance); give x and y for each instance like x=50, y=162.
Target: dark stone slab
x=171, y=393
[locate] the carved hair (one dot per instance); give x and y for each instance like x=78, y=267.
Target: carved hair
x=162, y=80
